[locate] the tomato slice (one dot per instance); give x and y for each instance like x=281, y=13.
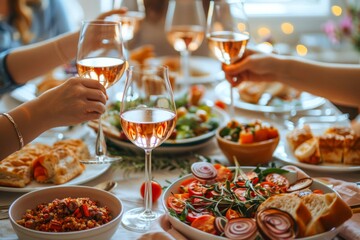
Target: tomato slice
x=184, y=186
x=205, y=223
x=278, y=180
x=192, y=215
x=240, y=193
x=196, y=188
x=223, y=173
x=177, y=202
x=231, y=214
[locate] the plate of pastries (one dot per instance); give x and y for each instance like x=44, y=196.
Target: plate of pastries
x=336, y=149
x=268, y=97
x=39, y=165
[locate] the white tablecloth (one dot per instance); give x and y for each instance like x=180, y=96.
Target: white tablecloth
x=128, y=187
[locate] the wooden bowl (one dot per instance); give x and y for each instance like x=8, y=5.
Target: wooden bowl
x=251, y=154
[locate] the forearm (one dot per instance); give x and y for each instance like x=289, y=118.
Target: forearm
x=338, y=82
x=31, y=122
x=26, y=63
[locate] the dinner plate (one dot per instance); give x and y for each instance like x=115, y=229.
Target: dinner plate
x=91, y=171
x=206, y=69
x=193, y=233
x=285, y=154
x=306, y=101
x=182, y=145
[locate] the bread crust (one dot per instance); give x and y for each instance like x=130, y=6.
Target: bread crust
x=292, y=204
x=327, y=210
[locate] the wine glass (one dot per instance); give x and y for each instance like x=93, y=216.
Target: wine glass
x=131, y=19
x=228, y=35
x=148, y=117
x=100, y=56
x=185, y=29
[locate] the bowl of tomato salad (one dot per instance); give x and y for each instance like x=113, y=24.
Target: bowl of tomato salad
x=249, y=144
x=223, y=205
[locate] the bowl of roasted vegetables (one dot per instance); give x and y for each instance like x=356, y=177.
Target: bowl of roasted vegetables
x=249, y=144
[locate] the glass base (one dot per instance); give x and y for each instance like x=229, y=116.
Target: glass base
x=103, y=159
x=138, y=221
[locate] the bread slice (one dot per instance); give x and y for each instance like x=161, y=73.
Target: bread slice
x=352, y=150
x=327, y=211
x=16, y=169
x=299, y=135
x=78, y=146
x=331, y=148
x=308, y=151
x=292, y=204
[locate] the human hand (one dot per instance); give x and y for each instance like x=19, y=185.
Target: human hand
x=75, y=101
x=118, y=11
x=254, y=66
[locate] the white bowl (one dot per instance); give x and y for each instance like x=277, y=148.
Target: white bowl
x=193, y=233
x=32, y=199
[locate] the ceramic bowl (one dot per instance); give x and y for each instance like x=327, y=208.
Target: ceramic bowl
x=32, y=199
x=251, y=154
x=194, y=234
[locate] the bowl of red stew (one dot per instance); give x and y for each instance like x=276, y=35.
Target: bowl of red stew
x=249, y=144
x=66, y=212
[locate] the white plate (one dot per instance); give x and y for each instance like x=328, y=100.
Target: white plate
x=183, y=145
x=193, y=233
x=209, y=66
x=285, y=154
x=24, y=93
x=306, y=101
x=91, y=172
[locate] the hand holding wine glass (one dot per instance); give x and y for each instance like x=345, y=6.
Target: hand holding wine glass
x=228, y=35
x=185, y=28
x=100, y=57
x=148, y=117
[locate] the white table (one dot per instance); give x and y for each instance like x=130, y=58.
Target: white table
x=128, y=187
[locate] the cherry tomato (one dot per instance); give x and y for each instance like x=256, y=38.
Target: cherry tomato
x=223, y=173
x=272, y=133
x=177, y=202
x=205, y=223
x=156, y=190
x=231, y=214
x=278, y=180
x=220, y=104
x=261, y=135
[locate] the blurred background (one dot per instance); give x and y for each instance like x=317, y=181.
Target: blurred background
x=324, y=30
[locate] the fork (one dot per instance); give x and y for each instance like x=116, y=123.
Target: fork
x=4, y=212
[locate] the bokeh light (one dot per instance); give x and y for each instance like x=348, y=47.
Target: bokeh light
x=287, y=28
x=301, y=50
x=336, y=10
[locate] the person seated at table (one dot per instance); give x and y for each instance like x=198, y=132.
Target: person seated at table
x=25, y=58
x=75, y=101
x=337, y=82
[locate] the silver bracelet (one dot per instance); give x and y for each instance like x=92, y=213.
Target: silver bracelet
x=21, y=139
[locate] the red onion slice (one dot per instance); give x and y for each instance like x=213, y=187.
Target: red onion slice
x=220, y=223
x=300, y=184
x=204, y=171
x=241, y=228
x=274, y=224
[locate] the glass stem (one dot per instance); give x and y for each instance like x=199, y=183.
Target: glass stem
x=100, y=141
x=232, y=108
x=148, y=188
x=185, y=63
